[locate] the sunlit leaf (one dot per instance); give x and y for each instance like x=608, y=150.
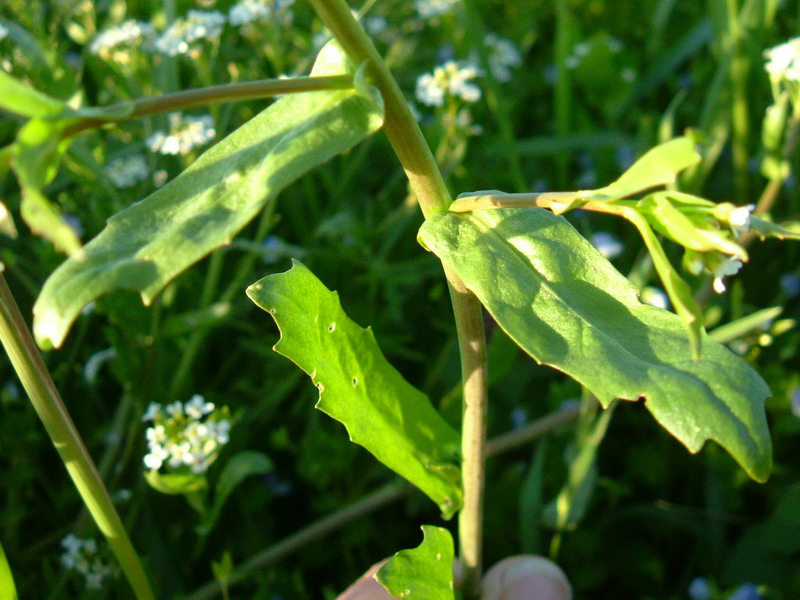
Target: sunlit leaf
x=425, y=572
x=740, y=327
x=175, y=483
x=146, y=245
x=358, y=387
x=766, y=229
x=659, y=166
x=18, y=98
x=668, y=220
x=7, y=589
x=567, y=306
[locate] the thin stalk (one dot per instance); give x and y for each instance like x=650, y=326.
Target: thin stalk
x=229, y=92
x=432, y=195
x=739, y=67
x=38, y=384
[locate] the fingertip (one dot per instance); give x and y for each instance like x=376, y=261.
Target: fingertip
x=526, y=577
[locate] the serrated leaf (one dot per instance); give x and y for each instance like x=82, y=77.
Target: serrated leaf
x=424, y=572
x=567, y=306
x=658, y=166
x=238, y=468
x=148, y=244
x=7, y=589
x=358, y=387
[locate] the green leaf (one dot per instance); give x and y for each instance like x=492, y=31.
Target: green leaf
x=357, y=386
x=766, y=229
x=35, y=157
x=567, y=306
x=658, y=166
x=679, y=292
x=236, y=470
x=668, y=220
x=7, y=589
x=425, y=572
x=18, y=98
x=175, y=483
x=740, y=327
x=148, y=244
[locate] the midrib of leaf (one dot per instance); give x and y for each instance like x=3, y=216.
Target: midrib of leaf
x=670, y=369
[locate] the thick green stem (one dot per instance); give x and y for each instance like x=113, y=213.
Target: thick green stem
x=429, y=188
x=38, y=384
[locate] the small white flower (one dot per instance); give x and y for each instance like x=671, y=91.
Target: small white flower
x=607, y=244
x=175, y=409
x=783, y=61
x=739, y=219
x=503, y=56
x=115, y=42
x=153, y=410
x=197, y=407
x=452, y=78
x=729, y=266
x=127, y=172
x=247, y=11
x=197, y=25
x=82, y=556
x=185, y=133
x=434, y=8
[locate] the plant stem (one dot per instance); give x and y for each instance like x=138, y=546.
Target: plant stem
x=432, y=195
x=38, y=384
x=372, y=502
x=247, y=90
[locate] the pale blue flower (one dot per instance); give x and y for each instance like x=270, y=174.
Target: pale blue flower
x=746, y=591
x=699, y=589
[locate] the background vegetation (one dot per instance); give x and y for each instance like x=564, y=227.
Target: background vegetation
x=593, y=85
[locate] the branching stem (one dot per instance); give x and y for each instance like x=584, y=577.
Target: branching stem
x=247, y=90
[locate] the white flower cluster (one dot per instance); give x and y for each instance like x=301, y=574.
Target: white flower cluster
x=503, y=56
x=783, y=61
x=189, y=434
x=434, y=8
x=247, y=11
x=82, y=556
x=128, y=171
x=197, y=25
x=116, y=42
x=185, y=133
x=452, y=78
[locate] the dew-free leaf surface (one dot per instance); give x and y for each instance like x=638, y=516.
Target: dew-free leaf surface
x=567, y=306
x=148, y=244
x=358, y=387
x=7, y=589
x=424, y=572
